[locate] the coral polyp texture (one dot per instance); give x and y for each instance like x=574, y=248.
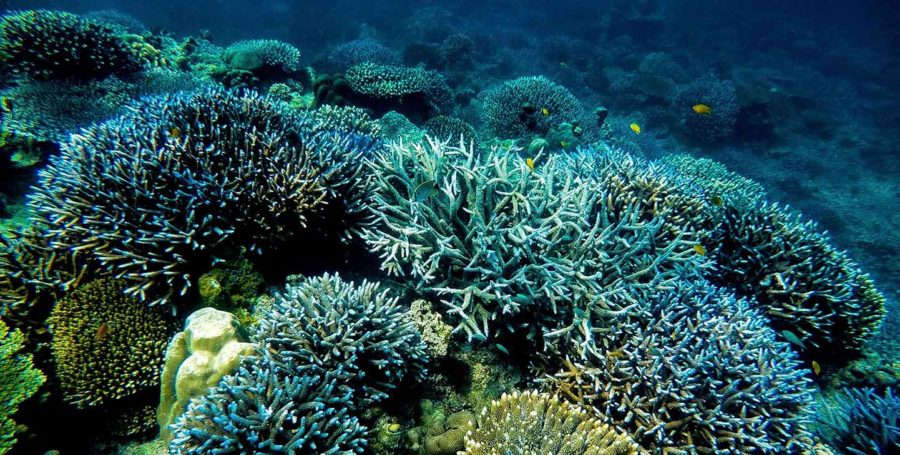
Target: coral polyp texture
x=529, y=106
x=802, y=283
x=259, y=410
x=717, y=181
x=861, y=421
x=19, y=380
x=532, y=423
x=721, y=97
x=106, y=345
x=151, y=195
x=328, y=324
x=451, y=129
x=362, y=50
x=504, y=247
x=380, y=87
x=265, y=58
x=46, y=45
x=690, y=369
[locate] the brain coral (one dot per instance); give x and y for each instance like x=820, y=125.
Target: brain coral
x=531, y=423
x=690, y=368
x=152, y=194
x=45, y=45
x=106, y=345
x=517, y=108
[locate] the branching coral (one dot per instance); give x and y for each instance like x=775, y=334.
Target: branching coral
x=801, y=282
x=106, y=346
x=260, y=410
x=450, y=128
x=399, y=83
x=721, y=97
x=327, y=324
x=153, y=194
x=363, y=50
x=262, y=55
x=689, y=368
x=529, y=105
x=505, y=247
x=861, y=421
x=46, y=45
x=531, y=423
x=19, y=380
x=717, y=180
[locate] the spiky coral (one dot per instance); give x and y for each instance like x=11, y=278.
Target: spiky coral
x=260, y=409
x=151, y=195
x=721, y=96
x=46, y=45
x=327, y=324
x=508, y=248
x=717, y=180
x=263, y=55
x=515, y=109
x=800, y=281
x=690, y=368
x=19, y=380
x=451, y=129
x=531, y=423
x=106, y=346
x=399, y=83
x=861, y=421
x=363, y=50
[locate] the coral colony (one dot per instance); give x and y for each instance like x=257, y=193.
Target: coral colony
x=388, y=257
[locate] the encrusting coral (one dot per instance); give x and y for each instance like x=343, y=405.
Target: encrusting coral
x=532, y=423
x=106, y=345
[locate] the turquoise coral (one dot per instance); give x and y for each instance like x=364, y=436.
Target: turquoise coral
x=19, y=380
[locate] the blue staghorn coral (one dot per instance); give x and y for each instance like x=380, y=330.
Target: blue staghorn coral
x=510, y=249
x=860, y=421
x=689, y=368
x=152, y=195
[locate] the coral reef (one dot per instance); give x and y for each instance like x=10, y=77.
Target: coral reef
x=435, y=332
x=363, y=50
x=860, y=421
x=106, y=345
x=689, y=367
x=19, y=380
x=802, y=283
x=721, y=97
x=505, y=247
x=226, y=168
x=413, y=90
x=196, y=359
x=529, y=106
x=533, y=423
x=717, y=181
x=47, y=45
x=450, y=129
x=232, y=284
x=327, y=324
x=263, y=56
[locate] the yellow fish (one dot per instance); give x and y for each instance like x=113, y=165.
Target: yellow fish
x=175, y=132
x=699, y=250
x=6, y=103
x=615, y=354
x=816, y=367
x=530, y=163
x=102, y=332
x=702, y=109
x=545, y=112
x=716, y=201
x=636, y=128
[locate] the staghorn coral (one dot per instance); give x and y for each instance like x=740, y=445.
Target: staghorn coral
x=717, y=180
x=688, y=368
x=800, y=281
x=514, y=109
x=153, y=195
x=19, y=380
x=260, y=409
x=106, y=346
x=506, y=248
x=382, y=86
x=532, y=423
x=326, y=324
x=363, y=50
x=450, y=128
x=44, y=45
x=860, y=421
x=350, y=119
x=263, y=56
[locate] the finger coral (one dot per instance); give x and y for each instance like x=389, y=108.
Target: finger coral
x=106, y=345
x=43, y=45
x=532, y=423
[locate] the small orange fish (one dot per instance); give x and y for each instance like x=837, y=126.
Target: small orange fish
x=636, y=128
x=530, y=163
x=545, y=112
x=817, y=369
x=175, y=132
x=716, y=201
x=702, y=109
x=6, y=104
x=699, y=249
x=615, y=354
x=102, y=332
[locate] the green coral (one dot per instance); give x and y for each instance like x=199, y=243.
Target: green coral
x=106, y=345
x=18, y=381
x=235, y=283
x=263, y=54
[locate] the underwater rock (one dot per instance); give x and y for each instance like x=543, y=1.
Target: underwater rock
x=209, y=348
